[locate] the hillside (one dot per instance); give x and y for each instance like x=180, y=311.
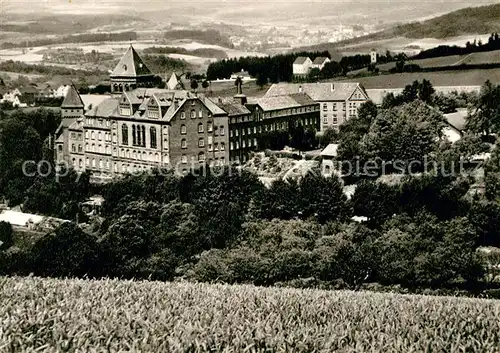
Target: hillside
x=472, y=20
x=115, y=316
x=469, y=21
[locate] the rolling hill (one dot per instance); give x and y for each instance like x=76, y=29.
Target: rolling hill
x=467, y=22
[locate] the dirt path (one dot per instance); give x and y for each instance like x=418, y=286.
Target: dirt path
x=461, y=61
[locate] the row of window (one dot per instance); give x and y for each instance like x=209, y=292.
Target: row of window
x=244, y=144
x=201, y=159
x=138, y=155
x=75, y=136
x=201, y=129
x=201, y=143
x=335, y=120
x=73, y=148
x=192, y=114
x=139, y=136
x=98, y=122
x=91, y=135
x=289, y=111
x=334, y=106
x=244, y=131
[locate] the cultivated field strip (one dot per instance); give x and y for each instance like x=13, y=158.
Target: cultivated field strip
x=48, y=315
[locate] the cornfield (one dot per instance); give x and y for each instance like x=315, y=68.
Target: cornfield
x=49, y=315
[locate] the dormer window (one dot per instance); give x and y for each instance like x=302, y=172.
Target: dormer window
x=124, y=67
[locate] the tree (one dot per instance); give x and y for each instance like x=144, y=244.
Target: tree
x=66, y=252
x=313, y=74
x=407, y=134
x=261, y=80
x=6, y=235
x=330, y=135
x=323, y=199
x=446, y=103
x=484, y=118
x=194, y=85
x=205, y=84
x=376, y=201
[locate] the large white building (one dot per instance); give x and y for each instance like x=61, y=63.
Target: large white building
x=338, y=100
x=301, y=66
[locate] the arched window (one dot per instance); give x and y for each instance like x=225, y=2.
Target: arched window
x=210, y=126
x=73, y=148
x=80, y=163
x=201, y=157
x=201, y=142
x=99, y=136
x=143, y=130
x=183, y=129
x=183, y=143
x=200, y=127
x=80, y=149
x=134, y=138
x=157, y=157
x=152, y=133
x=92, y=135
x=124, y=134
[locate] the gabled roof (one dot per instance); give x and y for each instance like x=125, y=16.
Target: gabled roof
x=104, y=109
x=173, y=82
x=300, y=60
x=320, y=60
x=377, y=95
x=283, y=102
x=131, y=65
x=28, y=90
x=72, y=99
x=233, y=108
x=331, y=150
x=328, y=91
x=457, y=119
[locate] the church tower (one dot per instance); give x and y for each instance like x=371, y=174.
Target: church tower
x=130, y=73
x=72, y=108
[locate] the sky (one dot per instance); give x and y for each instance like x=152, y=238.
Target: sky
x=423, y=7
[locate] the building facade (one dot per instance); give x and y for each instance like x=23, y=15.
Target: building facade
x=338, y=101
x=301, y=66
x=145, y=128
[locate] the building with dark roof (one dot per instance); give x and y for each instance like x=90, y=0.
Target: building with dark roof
x=144, y=128
x=320, y=62
x=130, y=73
x=338, y=100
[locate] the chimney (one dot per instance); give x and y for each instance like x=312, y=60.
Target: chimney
x=220, y=100
x=333, y=87
x=240, y=98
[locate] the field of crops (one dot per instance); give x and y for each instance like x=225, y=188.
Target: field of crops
x=443, y=78
x=38, y=315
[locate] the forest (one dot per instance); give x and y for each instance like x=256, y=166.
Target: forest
x=422, y=230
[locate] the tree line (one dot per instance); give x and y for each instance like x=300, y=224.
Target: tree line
x=421, y=229
x=74, y=38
